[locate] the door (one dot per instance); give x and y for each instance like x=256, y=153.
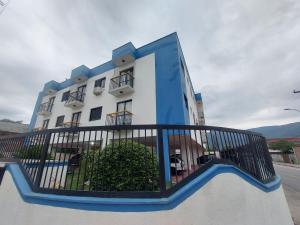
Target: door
x=76, y=119
x=124, y=115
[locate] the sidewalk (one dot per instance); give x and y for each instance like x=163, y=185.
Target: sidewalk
x=287, y=164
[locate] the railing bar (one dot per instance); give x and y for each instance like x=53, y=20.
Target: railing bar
x=186, y=152
x=174, y=144
x=86, y=158
x=93, y=160
x=41, y=139
x=73, y=169
x=192, y=151
x=64, y=162
x=69, y=157
x=152, y=153
x=48, y=164
x=59, y=160
x=81, y=159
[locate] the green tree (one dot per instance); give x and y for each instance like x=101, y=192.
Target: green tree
x=283, y=146
x=123, y=166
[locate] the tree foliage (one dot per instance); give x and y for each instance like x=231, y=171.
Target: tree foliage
x=123, y=166
x=283, y=146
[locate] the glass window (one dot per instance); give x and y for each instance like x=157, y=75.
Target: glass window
x=100, y=82
x=182, y=67
x=65, y=96
x=45, y=124
x=95, y=113
x=60, y=121
x=186, y=102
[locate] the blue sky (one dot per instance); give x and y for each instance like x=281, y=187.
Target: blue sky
x=242, y=55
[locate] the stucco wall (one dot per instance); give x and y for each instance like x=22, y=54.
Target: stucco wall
x=226, y=199
x=143, y=97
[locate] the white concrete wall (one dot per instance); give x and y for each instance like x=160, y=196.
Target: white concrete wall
x=143, y=97
x=191, y=99
x=225, y=200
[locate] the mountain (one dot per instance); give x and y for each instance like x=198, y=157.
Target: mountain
x=280, y=131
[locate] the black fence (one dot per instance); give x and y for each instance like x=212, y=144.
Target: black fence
x=132, y=161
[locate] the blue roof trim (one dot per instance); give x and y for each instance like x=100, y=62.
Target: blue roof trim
x=128, y=48
x=80, y=70
x=132, y=205
x=198, y=97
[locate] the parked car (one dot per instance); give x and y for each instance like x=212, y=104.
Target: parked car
x=176, y=164
x=204, y=159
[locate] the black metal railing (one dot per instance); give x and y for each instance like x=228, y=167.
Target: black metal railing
x=122, y=80
x=132, y=161
x=75, y=96
x=119, y=118
x=46, y=107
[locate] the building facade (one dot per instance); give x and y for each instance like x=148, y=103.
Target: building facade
x=146, y=85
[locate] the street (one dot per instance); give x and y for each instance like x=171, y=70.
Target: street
x=290, y=178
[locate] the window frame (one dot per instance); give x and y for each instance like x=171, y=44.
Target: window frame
x=45, y=122
x=62, y=123
x=63, y=96
x=101, y=82
x=96, y=108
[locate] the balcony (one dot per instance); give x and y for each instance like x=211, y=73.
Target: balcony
x=45, y=109
x=71, y=124
x=119, y=118
x=75, y=100
x=121, y=85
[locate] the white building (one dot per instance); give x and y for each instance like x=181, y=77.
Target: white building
x=146, y=85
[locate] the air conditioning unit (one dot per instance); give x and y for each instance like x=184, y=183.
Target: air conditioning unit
x=98, y=90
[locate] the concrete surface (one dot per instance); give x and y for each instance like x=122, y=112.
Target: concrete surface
x=224, y=200
x=290, y=177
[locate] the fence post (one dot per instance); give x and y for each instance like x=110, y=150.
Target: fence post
x=43, y=158
x=255, y=157
x=160, y=145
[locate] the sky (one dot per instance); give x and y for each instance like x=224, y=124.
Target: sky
x=243, y=56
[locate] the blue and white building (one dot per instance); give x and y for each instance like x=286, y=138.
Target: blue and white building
x=146, y=85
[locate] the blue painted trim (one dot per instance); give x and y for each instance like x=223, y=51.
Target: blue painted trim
x=198, y=97
x=132, y=205
x=34, y=114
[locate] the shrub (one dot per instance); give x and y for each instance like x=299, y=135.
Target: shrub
x=124, y=166
x=32, y=152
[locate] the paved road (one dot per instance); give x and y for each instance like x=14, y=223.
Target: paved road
x=290, y=178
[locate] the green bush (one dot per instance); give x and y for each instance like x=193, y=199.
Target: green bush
x=33, y=152
x=124, y=166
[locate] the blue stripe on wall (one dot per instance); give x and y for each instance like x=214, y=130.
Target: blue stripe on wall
x=128, y=204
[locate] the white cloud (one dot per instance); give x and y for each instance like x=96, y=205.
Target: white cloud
x=242, y=55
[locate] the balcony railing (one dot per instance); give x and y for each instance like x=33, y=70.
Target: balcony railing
x=170, y=156
x=119, y=118
x=71, y=124
x=45, y=109
x=121, y=85
x=75, y=99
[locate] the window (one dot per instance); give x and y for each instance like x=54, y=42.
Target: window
x=182, y=67
x=100, y=82
x=65, y=96
x=96, y=113
x=124, y=106
x=45, y=124
x=60, y=121
x=50, y=105
x=76, y=118
x=186, y=102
